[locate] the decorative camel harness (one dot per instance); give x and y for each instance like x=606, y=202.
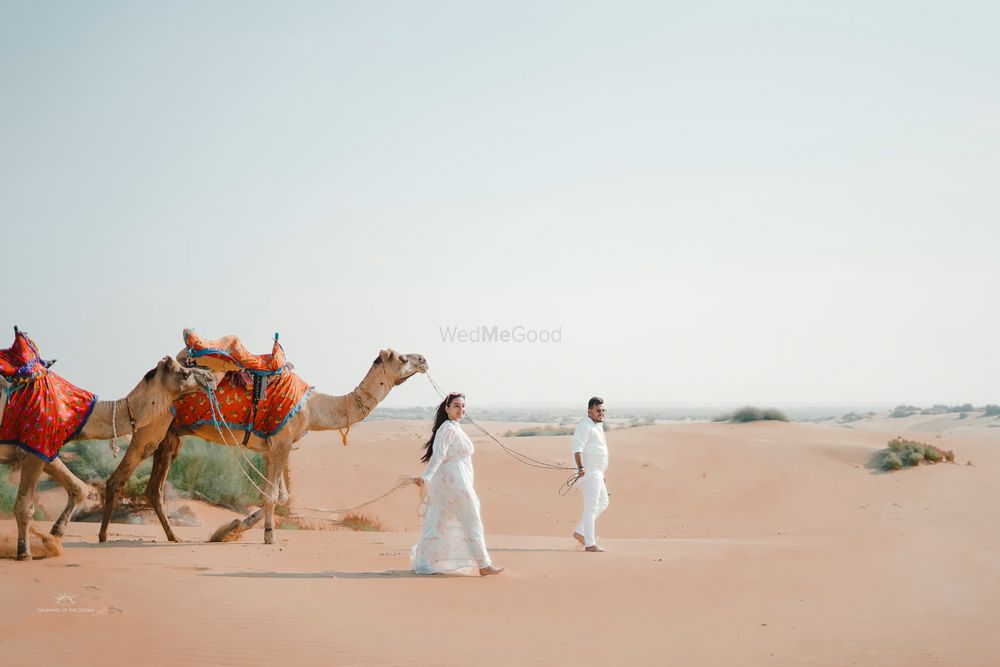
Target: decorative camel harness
x=261, y=368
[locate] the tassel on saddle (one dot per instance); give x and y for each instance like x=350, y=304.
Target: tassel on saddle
x=258, y=394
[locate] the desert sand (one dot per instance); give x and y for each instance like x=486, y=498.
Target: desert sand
x=756, y=544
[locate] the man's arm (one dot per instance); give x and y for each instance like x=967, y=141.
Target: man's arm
x=579, y=442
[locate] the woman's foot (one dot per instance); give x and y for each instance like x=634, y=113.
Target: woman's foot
x=488, y=570
x=579, y=538
x=593, y=548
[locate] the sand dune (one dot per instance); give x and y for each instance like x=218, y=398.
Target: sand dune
x=727, y=545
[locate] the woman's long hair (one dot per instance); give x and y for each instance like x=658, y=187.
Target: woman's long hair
x=440, y=417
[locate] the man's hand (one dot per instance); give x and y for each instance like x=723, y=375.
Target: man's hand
x=579, y=473
x=419, y=481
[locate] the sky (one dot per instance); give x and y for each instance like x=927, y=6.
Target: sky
x=782, y=203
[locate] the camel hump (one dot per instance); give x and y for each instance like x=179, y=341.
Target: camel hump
x=229, y=354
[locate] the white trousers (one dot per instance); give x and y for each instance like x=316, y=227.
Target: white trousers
x=595, y=501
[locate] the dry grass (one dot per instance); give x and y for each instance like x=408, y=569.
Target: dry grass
x=232, y=531
x=362, y=522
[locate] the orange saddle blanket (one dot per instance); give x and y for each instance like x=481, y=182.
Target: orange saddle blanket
x=231, y=352
x=232, y=405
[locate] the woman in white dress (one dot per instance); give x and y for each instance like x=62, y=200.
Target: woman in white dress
x=452, y=539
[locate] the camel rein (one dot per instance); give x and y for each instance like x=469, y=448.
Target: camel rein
x=520, y=457
x=218, y=417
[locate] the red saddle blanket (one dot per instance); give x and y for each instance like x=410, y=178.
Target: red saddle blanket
x=285, y=395
x=229, y=348
x=43, y=411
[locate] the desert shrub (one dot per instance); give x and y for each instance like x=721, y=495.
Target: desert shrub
x=212, y=473
x=856, y=416
x=134, y=490
x=93, y=460
x=901, y=411
x=933, y=454
x=891, y=461
x=539, y=431
x=900, y=452
x=362, y=522
x=753, y=414
x=991, y=410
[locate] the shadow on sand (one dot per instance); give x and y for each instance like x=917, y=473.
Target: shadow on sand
x=328, y=574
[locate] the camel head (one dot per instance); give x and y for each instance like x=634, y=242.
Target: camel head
x=401, y=367
x=177, y=380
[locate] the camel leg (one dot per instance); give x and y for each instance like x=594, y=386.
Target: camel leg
x=278, y=449
x=24, y=505
x=162, y=459
x=76, y=491
x=143, y=444
x=286, y=485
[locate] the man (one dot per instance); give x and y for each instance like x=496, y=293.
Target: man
x=591, y=452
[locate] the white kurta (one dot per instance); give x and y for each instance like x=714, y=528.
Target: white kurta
x=452, y=539
x=589, y=442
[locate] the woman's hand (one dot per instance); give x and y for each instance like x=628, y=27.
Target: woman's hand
x=419, y=481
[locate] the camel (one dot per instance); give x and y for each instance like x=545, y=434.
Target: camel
x=147, y=402
x=321, y=412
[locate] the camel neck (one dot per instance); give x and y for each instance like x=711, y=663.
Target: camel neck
x=332, y=412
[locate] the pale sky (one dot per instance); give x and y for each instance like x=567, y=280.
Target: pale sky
x=778, y=203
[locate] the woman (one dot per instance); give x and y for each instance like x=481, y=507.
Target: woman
x=452, y=537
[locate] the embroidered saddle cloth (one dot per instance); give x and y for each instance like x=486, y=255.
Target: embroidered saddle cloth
x=258, y=394
x=285, y=395
x=228, y=354
x=39, y=411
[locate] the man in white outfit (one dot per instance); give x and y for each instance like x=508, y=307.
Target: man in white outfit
x=591, y=452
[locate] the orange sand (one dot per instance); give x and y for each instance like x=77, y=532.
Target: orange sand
x=761, y=544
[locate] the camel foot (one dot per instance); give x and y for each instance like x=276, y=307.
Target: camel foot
x=269, y=536
x=22, y=550
x=223, y=532
x=594, y=549
x=579, y=538
x=487, y=571
x=58, y=530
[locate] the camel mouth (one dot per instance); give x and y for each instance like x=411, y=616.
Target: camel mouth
x=404, y=378
x=204, y=378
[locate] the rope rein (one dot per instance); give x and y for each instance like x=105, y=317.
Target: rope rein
x=520, y=457
x=218, y=420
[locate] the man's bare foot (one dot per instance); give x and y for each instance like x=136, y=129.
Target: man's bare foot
x=579, y=538
x=593, y=548
x=487, y=571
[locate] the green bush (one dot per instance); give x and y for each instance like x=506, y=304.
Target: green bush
x=891, y=461
x=856, y=416
x=991, y=410
x=900, y=452
x=93, y=460
x=536, y=431
x=901, y=411
x=752, y=414
x=211, y=473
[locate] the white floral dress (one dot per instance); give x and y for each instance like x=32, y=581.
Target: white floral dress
x=452, y=539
